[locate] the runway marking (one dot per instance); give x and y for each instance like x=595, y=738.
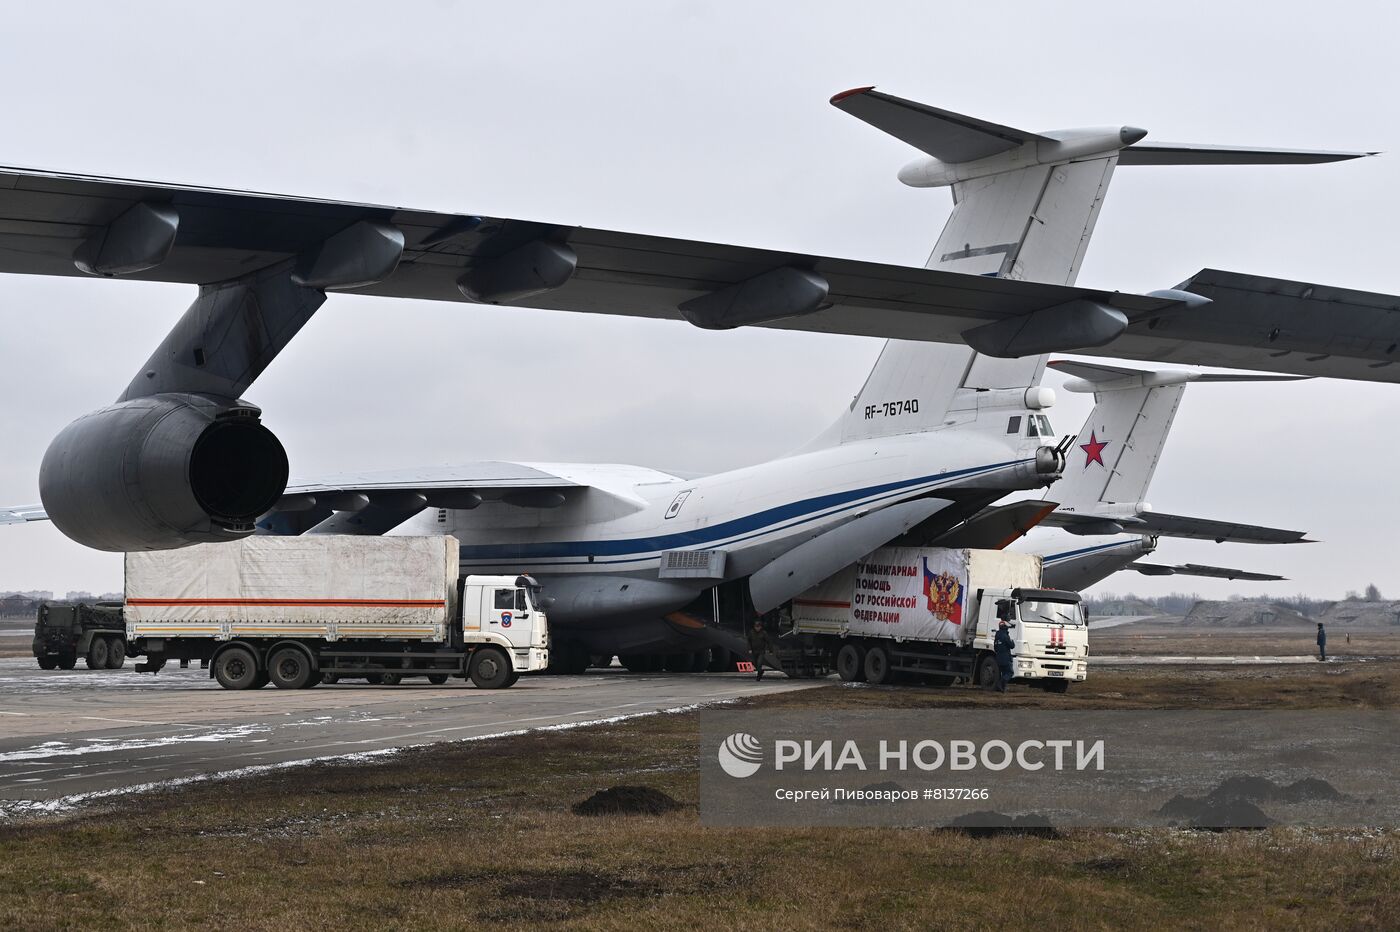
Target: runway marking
x=137, y=721
x=20, y=714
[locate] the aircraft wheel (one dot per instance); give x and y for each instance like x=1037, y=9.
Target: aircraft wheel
x=390, y=679
x=850, y=663
x=97, y=654
x=236, y=668
x=490, y=669
x=437, y=679
x=877, y=666
x=290, y=668
x=116, y=654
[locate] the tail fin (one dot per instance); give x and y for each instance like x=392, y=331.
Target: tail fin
x=1120, y=444
x=1026, y=203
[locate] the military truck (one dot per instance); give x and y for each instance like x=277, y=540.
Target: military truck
x=931, y=613
x=64, y=632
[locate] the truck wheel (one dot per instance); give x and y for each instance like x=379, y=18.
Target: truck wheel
x=48, y=663
x=67, y=661
x=116, y=654
x=97, y=654
x=850, y=663
x=490, y=669
x=390, y=679
x=236, y=668
x=290, y=668
x=988, y=676
x=877, y=666
x=437, y=679
x=512, y=679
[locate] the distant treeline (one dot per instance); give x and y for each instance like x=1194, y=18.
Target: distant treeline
x=1180, y=603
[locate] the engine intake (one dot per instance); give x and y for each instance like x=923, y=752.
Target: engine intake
x=161, y=472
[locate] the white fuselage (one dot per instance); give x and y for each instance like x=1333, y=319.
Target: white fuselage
x=619, y=525
x=1075, y=561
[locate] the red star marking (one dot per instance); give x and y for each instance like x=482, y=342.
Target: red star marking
x=1093, y=450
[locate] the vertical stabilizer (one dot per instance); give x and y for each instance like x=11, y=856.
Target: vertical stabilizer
x=1112, y=460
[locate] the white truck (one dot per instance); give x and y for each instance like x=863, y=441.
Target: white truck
x=933, y=612
x=299, y=611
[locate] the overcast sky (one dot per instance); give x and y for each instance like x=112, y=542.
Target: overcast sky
x=705, y=121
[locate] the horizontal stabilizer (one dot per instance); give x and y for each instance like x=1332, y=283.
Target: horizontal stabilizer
x=947, y=136
x=1172, y=153
x=1101, y=377
x=1197, y=569
x=19, y=514
x=1165, y=525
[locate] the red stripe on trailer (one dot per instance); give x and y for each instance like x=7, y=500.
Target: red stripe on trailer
x=334, y=603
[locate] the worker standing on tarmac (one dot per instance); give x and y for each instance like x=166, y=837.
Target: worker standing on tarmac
x=759, y=644
x=1321, y=642
x=1002, y=645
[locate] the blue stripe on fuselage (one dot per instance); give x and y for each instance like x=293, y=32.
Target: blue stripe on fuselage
x=714, y=534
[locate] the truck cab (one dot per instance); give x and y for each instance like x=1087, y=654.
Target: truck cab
x=1050, y=631
x=507, y=611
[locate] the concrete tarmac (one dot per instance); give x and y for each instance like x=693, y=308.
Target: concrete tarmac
x=66, y=736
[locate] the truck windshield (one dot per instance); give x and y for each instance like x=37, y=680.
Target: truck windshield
x=1055, y=613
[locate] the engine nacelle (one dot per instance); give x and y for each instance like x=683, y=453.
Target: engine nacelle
x=163, y=471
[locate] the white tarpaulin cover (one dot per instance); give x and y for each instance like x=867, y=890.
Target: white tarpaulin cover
x=926, y=594
x=378, y=586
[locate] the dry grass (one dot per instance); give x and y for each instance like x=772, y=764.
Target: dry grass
x=1159, y=639
x=481, y=833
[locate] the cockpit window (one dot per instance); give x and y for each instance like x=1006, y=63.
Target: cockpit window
x=1013, y=426
x=1031, y=429
x=1045, y=430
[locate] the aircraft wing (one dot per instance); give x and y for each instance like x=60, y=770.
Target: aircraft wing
x=22, y=513
x=375, y=502
x=1197, y=569
x=1165, y=525
x=53, y=223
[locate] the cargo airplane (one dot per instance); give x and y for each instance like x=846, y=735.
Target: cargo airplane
x=180, y=457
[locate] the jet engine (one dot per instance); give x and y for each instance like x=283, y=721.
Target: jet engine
x=162, y=471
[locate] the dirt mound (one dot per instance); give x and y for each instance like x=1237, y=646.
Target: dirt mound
x=1232, y=804
x=1204, y=812
x=1242, y=614
x=626, y=800
x=988, y=824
